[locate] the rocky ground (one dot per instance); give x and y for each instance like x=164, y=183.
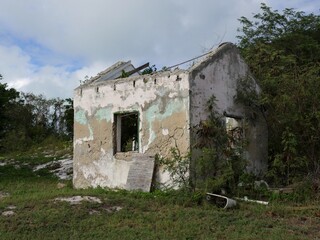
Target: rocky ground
x=56, y=160
x=61, y=168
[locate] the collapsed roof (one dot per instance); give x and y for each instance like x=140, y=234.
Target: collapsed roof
x=123, y=69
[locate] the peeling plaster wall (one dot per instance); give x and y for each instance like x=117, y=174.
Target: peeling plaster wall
x=162, y=102
x=218, y=75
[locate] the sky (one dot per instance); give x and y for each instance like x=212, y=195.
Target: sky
x=48, y=46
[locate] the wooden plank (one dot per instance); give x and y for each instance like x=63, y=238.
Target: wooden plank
x=138, y=69
x=135, y=70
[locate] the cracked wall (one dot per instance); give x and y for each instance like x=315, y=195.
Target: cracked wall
x=162, y=103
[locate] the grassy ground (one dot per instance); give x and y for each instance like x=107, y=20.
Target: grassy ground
x=155, y=215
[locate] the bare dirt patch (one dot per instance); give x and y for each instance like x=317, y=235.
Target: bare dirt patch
x=74, y=200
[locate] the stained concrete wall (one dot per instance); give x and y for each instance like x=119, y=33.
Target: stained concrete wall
x=169, y=104
x=217, y=76
x=162, y=102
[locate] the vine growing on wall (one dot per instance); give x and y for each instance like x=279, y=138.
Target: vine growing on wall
x=220, y=161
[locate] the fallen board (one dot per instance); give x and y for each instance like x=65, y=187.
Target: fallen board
x=140, y=173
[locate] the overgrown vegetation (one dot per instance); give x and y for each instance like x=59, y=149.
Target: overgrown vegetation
x=283, y=52
x=157, y=215
x=219, y=160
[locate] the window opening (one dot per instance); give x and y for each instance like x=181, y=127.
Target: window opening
x=234, y=129
x=126, y=132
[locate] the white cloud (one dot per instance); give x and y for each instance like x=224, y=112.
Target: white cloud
x=307, y=6
x=19, y=83
x=100, y=28
x=47, y=46
x=52, y=81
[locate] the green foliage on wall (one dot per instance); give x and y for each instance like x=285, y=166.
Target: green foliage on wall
x=220, y=163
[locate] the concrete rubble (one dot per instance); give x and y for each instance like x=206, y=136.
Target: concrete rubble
x=60, y=168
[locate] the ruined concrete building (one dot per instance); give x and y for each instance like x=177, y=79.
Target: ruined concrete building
x=121, y=122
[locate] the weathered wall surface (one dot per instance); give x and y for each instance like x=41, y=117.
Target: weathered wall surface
x=217, y=76
x=162, y=103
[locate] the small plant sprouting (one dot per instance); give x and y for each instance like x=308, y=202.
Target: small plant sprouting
x=149, y=70
x=177, y=166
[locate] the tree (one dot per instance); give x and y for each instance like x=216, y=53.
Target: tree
x=67, y=117
x=283, y=52
x=7, y=98
x=27, y=119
